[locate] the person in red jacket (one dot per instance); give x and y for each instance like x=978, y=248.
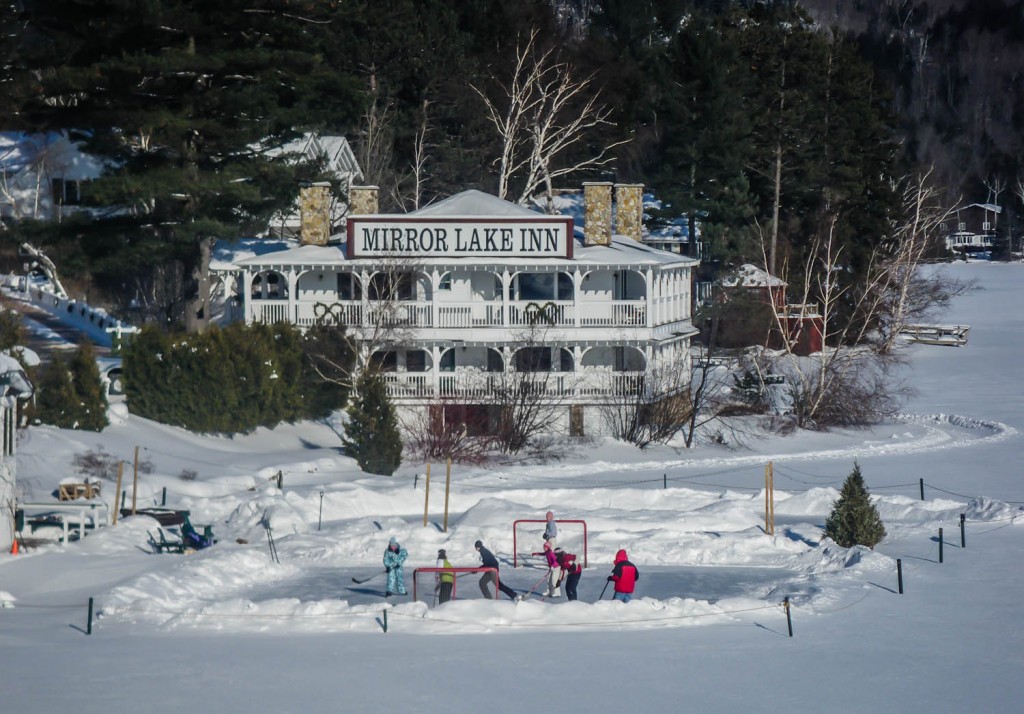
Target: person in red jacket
x=624, y=575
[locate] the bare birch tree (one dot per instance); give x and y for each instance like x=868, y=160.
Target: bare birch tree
x=851, y=380
x=542, y=111
x=375, y=143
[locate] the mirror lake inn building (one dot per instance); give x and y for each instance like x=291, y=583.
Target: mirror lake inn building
x=452, y=301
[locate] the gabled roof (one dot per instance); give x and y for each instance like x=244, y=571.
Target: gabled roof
x=473, y=203
x=335, y=150
x=991, y=207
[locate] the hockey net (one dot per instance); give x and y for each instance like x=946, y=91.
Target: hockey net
x=528, y=540
x=426, y=584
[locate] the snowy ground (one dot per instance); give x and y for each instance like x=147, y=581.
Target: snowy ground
x=228, y=629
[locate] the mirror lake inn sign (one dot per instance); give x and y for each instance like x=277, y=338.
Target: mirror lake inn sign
x=452, y=237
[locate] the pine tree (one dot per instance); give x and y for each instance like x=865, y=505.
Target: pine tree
x=371, y=436
x=55, y=401
x=854, y=519
x=90, y=396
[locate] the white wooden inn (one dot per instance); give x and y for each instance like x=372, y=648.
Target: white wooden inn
x=451, y=298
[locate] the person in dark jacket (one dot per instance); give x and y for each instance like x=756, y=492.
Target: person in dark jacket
x=571, y=571
x=489, y=561
x=624, y=575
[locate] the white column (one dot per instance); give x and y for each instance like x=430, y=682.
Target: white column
x=247, y=297
x=293, y=296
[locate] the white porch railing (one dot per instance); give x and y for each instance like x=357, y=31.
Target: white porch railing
x=468, y=315
x=488, y=386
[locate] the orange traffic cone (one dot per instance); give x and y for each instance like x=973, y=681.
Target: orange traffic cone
x=14, y=547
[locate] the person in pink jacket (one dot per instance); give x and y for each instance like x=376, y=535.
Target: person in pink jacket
x=554, y=572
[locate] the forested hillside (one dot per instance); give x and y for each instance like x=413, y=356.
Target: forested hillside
x=767, y=123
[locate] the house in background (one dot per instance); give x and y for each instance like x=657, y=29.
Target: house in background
x=339, y=162
x=15, y=387
x=41, y=175
x=753, y=310
x=474, y=293
x=972, y=228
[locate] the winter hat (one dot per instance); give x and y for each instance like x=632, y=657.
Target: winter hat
x=393, y=541
x=441, y=554
x=547, y=546
x=559, y=549
x=621, y=555
x=478, y=544
x=549, y=515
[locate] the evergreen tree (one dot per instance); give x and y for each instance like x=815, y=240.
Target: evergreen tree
x=854, y=519
x=55, y=398
x=90, y=395
x=371, y=436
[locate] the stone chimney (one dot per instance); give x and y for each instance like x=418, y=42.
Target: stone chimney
x=362, y=200
x=315, y=213
x=597, y=216
x=629, y=210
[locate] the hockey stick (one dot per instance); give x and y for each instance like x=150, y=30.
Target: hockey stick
x=534, y=587
x=360, y=581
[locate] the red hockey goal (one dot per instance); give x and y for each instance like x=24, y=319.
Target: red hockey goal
x=425, y=581
x=528, y=535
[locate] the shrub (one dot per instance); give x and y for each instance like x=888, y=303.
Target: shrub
x=234, y=379
x=854, y=519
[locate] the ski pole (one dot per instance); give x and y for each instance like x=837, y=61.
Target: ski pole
x=605, y=588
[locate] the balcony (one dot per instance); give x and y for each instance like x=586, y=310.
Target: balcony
x=457, y=315
x=485, y=387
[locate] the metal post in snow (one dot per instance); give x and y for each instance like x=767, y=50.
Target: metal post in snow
x=789, y=616
x=899, y=574
x=963, y=534
x=320, y=518
x=88, y=626
x=940, y=545
x=921, y=481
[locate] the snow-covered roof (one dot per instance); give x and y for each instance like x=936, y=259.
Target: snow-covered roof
x=751, y=276
x=470, y=204
x=335, y=150
x=473, y=203
x=991, y=207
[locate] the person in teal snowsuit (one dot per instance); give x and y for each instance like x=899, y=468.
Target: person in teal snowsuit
x=394, y=556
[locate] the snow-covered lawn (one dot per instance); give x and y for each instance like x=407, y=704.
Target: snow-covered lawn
x=229, y=629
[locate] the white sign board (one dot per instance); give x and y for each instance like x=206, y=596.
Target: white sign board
x=396, y=236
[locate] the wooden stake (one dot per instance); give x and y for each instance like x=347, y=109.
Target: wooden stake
x=120, y=472
x=135, y=481
x=426, y=497
x=447, y=488
x=769, y=499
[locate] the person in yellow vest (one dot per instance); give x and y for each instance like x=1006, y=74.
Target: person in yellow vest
x=443, y=582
